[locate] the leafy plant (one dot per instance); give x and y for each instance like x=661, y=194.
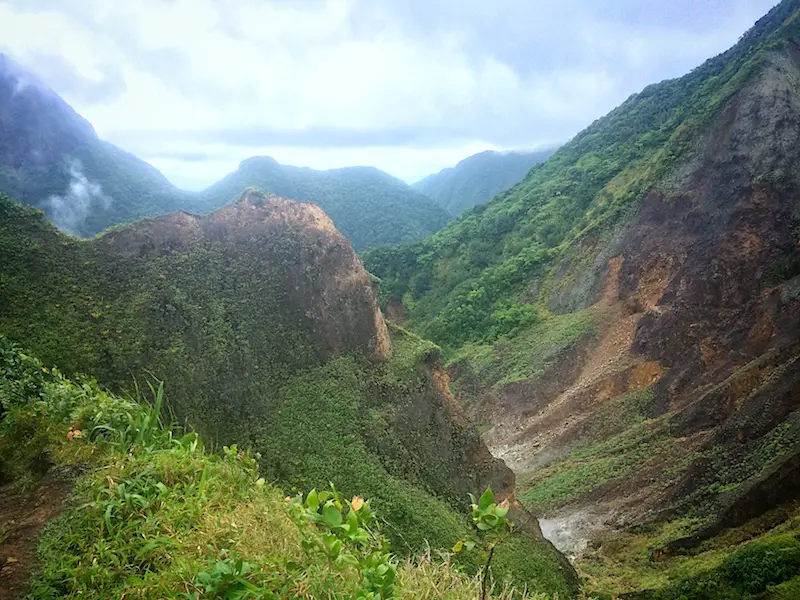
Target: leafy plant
x=349, y=539
x=492, y=527
x=228, y=579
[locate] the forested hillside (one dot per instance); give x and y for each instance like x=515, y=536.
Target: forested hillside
x=267, y=331
x=478, y=178
x=369, y=207
x=51, y=157
x=624, y=323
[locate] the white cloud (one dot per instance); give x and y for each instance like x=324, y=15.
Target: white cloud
x=190, y=66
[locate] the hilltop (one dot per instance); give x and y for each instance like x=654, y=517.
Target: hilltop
x=625, y=321
x=369, y=207
x=478, y=178
x=267, y=331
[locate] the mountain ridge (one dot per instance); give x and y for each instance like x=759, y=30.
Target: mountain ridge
x=477, y=178
x=370, y=206
x=51, y=157
x=633, y=304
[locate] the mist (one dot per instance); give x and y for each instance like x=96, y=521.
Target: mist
x=70, y=211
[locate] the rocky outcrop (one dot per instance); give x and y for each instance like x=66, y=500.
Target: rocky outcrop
x=324, y=282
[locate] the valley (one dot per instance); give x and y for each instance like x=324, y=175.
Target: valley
x=606, y=335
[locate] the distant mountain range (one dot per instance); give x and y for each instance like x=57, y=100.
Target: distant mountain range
x=478, y=178
x=369, y=206
x=51, y=157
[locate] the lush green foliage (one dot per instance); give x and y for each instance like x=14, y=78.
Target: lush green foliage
x=492, y=526
x=368, y=206
x=528, y=354
x=156, y=516
x=756, y=560
x=241, y=368
x=478, y=178
x=506, y=253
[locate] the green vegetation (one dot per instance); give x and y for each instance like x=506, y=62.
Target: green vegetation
x=528, y=354
x=493, y=527
x=242, y=368
x=154, y=515
x=606, y=458
x=504, y=255
x=757, y=560
x=478, y=178
x=368, y=206
x=45, y=147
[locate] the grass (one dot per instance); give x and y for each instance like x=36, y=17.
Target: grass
x=155, y=515
x=626, y=440
x=745, y=562
x=530, y=353
x=742, y=564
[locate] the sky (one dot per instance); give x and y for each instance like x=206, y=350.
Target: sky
x=409, y=86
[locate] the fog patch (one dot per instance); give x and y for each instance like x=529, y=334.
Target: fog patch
x=83, y=198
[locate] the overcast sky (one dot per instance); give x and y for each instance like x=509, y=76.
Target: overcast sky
x=409, y=86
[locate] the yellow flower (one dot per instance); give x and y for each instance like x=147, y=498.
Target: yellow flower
x=357, y=502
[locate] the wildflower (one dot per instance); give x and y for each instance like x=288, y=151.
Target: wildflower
x=357, y=503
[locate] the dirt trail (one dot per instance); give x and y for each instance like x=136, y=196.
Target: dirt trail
x=21, y=519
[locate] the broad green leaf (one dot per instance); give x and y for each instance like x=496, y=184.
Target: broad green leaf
x=486, y=499
x=312, y=500
x=352, y=522
x=332, y=516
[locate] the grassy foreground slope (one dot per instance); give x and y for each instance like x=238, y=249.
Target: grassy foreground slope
x=154, y=515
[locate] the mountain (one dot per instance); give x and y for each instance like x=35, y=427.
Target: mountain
x=51, y=157
x=370, y=207
x=267, y=331
x=625, y=323
x=478, y=178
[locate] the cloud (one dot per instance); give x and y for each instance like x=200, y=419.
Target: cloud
x=83, y=197
x=321, y=79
